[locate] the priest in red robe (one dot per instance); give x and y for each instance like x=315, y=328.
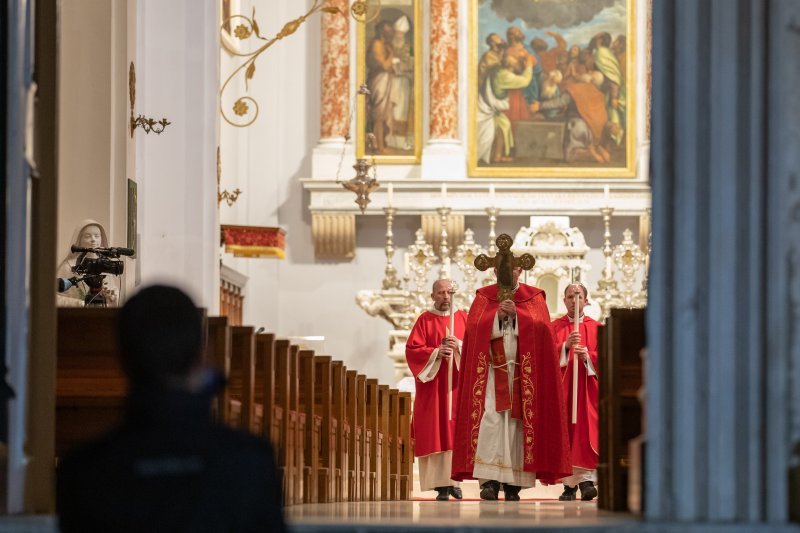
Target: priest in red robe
x=511, y=420
x=583, y=434
x=433, y=354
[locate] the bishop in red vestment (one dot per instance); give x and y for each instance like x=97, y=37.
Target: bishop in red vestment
x=430, y=351
x=511, y=419
x=583, y=434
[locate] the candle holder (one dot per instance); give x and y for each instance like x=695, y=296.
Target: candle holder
x=444, y=250
x=492, y=212
x=607, y=292
x=646, y=277
x=465, y=255
x=390, y=279
x=489, y=278
x=629, y=258
x=422, y=258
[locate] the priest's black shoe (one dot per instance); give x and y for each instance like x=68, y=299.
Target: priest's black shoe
x=588, y=490
x=489, y=490
x=511, y=492
x=444, y=494
x=456, y=493
x=569, y=494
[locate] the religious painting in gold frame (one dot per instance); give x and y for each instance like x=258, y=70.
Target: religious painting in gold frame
x=389, y=60
x=552, y=89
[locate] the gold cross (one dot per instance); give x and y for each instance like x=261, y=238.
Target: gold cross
x=505, y=262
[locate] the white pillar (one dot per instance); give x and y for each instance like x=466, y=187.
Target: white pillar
x=177, y=74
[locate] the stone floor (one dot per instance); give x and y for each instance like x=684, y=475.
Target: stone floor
x=469, y=515
x=539, y=508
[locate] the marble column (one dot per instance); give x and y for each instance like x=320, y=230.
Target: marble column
x=335, y=91
x=443, y=156
x=335, y=78
x=443, y=77
x=723, y=362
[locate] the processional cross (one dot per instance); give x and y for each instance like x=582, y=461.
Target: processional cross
x=505, y=262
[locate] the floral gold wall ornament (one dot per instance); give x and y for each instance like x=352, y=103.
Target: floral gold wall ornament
x=229, y=197
x=147, y=124
x=246, y=107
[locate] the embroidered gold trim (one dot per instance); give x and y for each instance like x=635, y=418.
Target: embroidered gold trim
x=477, y=402
x=528, y=399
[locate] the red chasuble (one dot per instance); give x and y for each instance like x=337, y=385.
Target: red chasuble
x=583, y=435
x=430, y=427
x=541, y=398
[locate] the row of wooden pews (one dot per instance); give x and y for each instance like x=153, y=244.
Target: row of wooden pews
x=337, y=435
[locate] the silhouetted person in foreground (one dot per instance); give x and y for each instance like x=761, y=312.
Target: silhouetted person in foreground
x=168, y=467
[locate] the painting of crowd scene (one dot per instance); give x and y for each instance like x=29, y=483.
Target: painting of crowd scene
x=551, y=88
x=390, y=110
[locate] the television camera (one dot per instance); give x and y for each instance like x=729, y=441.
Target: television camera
x=92, y=270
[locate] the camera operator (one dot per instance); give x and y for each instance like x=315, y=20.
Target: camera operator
x=88, y=234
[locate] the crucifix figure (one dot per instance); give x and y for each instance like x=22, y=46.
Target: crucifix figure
x=505, y=262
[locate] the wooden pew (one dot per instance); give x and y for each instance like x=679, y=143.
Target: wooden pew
x=286, y=445
x=355, y=448
x=395, y=446
x=365, y=457
x=285, y=452
x=217, y=354
x=338, y=390
x=407, y=451
x=620, y=375
x=90, y=385
x=268, y=414
x=323, y=399
x=375, y=441
x=297, y=453
x=386, y=442
x=313, y=433
x=241, y=383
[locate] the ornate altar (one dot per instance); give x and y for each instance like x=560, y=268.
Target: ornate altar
x=560, y=253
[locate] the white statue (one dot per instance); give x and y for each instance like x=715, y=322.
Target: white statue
x=88, y=234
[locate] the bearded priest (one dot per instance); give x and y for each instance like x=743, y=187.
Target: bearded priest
x=433, y=353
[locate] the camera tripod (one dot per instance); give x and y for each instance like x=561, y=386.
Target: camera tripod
x=95, y=296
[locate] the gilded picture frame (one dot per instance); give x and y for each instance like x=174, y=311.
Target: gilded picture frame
x=389, y=61
x=570, y=110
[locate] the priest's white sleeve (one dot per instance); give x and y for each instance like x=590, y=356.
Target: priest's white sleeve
x=563, y=360
x=431, y=368
x=590, y=367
